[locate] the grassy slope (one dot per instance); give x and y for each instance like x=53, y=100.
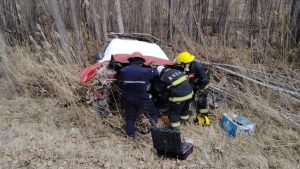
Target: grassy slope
x=37, y=133
x=36, y=130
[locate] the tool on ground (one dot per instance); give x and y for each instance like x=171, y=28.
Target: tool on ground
x=168, y=143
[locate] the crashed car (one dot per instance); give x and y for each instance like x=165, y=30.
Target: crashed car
x=102, y=77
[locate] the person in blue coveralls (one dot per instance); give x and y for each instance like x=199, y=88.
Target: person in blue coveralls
x=135, y=79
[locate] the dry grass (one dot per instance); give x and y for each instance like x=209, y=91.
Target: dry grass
x=39, y=107
x=37, y=133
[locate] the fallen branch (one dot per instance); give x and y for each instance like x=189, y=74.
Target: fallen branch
x=284, y=113
x=221, y=91
x=251, y=70
x=284, y=145
x=295, y=95
x=287, y=92
x=290, y=119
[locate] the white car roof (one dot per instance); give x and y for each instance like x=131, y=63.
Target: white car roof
x=128, y=46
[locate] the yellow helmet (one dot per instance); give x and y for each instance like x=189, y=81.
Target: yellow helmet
x=185, y=57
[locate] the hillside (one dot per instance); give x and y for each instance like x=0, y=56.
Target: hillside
x=45, y=123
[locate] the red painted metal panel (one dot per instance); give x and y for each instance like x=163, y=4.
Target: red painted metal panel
x=89, y=72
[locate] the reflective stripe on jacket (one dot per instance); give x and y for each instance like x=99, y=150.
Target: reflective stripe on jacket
x=181, y=98
x=135, y=80
x=178, y=87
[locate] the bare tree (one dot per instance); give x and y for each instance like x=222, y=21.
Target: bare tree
x=75, y=23
x=147, y=16
x=295, y=20
x=170, y=34
x=95, y=18
x=3, y=17
x=104, y=16
x=263, y=25
x=119, y=16
x=54, y=8
x=191, y=18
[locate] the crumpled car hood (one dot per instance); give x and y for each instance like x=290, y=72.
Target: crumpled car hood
x=89, y=72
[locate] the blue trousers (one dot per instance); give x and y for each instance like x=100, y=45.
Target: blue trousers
x=132, y=106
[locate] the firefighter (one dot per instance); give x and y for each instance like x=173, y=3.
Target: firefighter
x=199, y=79
x=180, y=93
x=135, y=79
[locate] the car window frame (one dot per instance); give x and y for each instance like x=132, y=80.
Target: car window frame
x=100, y=55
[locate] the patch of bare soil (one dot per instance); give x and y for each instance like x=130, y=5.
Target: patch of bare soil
x=43, y=134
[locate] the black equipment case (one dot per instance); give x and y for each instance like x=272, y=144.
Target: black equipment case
x=168, y=143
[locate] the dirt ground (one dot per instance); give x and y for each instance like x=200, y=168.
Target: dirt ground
x=41, y=133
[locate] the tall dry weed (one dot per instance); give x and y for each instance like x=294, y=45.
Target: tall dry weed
x=41, y=72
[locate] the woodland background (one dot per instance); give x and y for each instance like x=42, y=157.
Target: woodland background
x=264, y=26
x=251, y=46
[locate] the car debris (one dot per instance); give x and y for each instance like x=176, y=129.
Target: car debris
x=102, y=77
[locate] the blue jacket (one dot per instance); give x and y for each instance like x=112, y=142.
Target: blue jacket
x=135, y=80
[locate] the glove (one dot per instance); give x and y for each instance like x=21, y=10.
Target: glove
x=153, y=64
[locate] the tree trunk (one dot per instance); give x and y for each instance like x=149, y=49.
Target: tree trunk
x=295, y=20
x=119, y=16
x=147, y=16
x=170, y=20
x=75, y=23
x=55, y=12
x=104, y=5
x=161, y=21
x=95, y=21
x=3, y=18
x=54, y=8
x=214, y=10
x=253, y=20
x=191, y=20
x=32, y=15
